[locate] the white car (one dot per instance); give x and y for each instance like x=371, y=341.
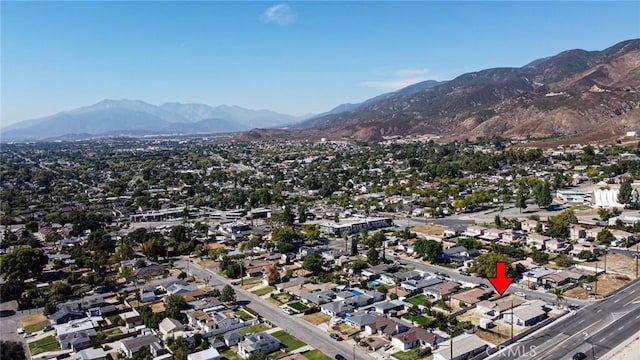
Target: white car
x=287, y=311
x=20, y=331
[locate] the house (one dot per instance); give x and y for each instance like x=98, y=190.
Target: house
x=622, y=237
x=180, y=288
x=295, y=356
x=492, y=234
x=90, y=354
x=561, y=278
x=577, y=232
x=390, y=279
x=336, y=308
x=76, y=340
x=459, y=254
x=474, y=231
x=170, y=326
x=385, y=326
x=537, y=240
x=232, y=338
x=471, y=297
x=464, y=346
x=438, y=291
x=344, y=295
x=510, y=237
x=557, y=246
x=295, y=282
x=130, y=346
x=65, y=314
x=258, y=342
x=592, y=233
x=527, y=225
x=497, y=307
x=415, y=337
x=414, y=286
x=527, y=314
x=386, y=307
x=78, y=325
x=360, y=319
x=150, y=270
x=375, y=271
x=132, y=320
x=534, y=276
x=208, y=354
x=318, y=297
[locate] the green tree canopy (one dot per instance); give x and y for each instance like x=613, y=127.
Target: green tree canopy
x=22, y=264
x=313, y=263
x=228, y=294
x=430, y=250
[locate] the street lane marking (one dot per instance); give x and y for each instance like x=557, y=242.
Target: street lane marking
x=637, y=317
x=569, y=338
x=616, y=301
x=581, y=321
x=599, y=310
x=632, y=301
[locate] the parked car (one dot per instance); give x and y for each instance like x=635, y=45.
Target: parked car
x=340, y=357
x=27, y=335
x=335, y=336
x=287, y=311
x=579, y=356
x=20, y=330
x=47, y=328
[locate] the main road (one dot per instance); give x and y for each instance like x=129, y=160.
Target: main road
x=301, y=329
x=593, y=330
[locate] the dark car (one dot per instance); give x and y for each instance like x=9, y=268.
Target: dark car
x=579, y=356
x=335, y=336
x=340, y=357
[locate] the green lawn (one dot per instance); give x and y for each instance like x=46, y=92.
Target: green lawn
x=298, y=306
x=49, y=343
x=421, y=320
x=244, y=315
x=414, y=354
x=288, y=340
x=253, y=329
x=417, y=300
x=348, y=330
x=115, y=319
x=36, y=327
x=316, y=355
x=112, y=332
x=264, y=291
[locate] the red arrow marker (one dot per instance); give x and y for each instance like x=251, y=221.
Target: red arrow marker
x=501, y=282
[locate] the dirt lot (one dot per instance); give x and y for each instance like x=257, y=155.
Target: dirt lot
x=616, y=263
x=316, y=318
x=491, y=337
x=429, y=230
x=32, y=319
x=606, y=283
x=157, y=307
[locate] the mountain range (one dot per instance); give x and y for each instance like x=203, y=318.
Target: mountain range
x=573, y=92
x=134, y=117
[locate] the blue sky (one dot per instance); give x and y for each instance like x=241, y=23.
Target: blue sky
x=293, y=57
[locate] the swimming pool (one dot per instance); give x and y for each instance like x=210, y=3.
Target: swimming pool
x=373, y=283
x=356, y=292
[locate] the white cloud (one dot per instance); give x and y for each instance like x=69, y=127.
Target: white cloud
x=401, y=78
x=281, y=14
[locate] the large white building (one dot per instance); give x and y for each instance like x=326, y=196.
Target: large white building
x=606, y=198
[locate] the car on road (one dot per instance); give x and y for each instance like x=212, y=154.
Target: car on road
x=27, y=335
x=20, y=330
x=47, y=328
x=335, y=336
x=579, y=356
x=340, y=357
x=462, y=272
x=520, y=293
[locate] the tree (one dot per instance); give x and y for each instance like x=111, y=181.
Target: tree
x=273, y=276
x=152, y=248
x=625, y=193
x=12, y=350
x=302, y=214
x=173, y=304
x=485, y=264
x=585, y=255
x=606, y=214
x=373, y=256
x=605, y=237
x=287, y=217
x=354, y=245
x=228, y=295
x=521, y=198
x=430, y=250
x=559, y=224
x=559, y=295
x=22, y=264
x=539, y=257
x=563, y=260
x=313, y=263
x=543, y=195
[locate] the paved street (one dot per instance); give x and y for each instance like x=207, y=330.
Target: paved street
x=301, y=329
x=594, y=330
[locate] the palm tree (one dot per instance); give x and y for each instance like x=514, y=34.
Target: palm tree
x=559, y=295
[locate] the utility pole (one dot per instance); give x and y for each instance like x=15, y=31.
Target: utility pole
x=605, y=259
x=637, y=255
x=354, y=351
x=596, y=279
x=512, y=319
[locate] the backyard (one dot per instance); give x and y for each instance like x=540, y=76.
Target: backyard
x=288, y=340
x=417, y=300
x=253, y=328
x=298, y=306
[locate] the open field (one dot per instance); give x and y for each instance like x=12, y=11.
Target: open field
x=607, y=283
x=316, y=318
x=616, y=263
